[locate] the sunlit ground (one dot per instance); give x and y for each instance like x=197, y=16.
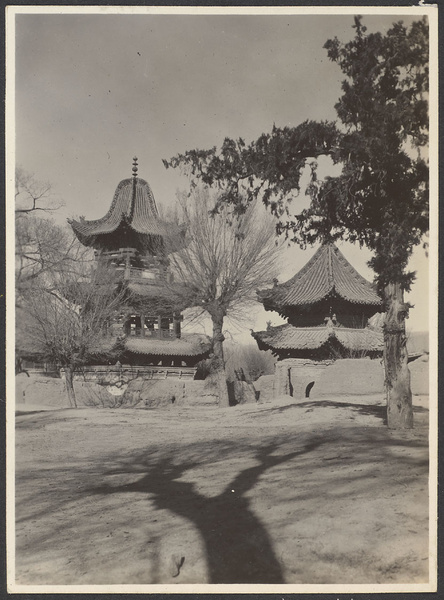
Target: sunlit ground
x=314, y=492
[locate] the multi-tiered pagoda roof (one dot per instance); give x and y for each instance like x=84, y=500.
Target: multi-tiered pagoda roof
x=131, y=222
x=327, y=275
x=131, y=240
x=327, y=305
x=286, y=340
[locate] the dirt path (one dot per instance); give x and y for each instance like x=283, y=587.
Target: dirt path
x=315, y=492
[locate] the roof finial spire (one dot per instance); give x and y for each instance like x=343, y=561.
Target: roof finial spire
x=135, y=166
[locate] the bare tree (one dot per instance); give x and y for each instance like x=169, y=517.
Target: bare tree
x=224, y=260
x=66, y=323
x=44, y=250
x=249, y=359
x=32, y=195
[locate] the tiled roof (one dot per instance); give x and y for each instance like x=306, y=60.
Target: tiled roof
x=134, y=204
x=188, y=345
x=287, y=337
x=328, y=272
x=360, y=339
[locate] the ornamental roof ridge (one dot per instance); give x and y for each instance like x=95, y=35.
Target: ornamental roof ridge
x=134, y=204
x=327, y=272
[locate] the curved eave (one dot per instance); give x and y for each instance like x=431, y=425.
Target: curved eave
x=327, y=273
x=89, y=229
x=134, y=205
x=275, y=304
x=287, y=338
x=283, y=308
x=186, y=346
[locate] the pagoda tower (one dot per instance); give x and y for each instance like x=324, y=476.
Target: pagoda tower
x=327, y=305
x=130, y=239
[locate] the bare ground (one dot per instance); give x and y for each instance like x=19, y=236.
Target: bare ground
x=309, y=492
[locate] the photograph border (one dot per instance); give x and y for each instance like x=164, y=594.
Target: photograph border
x=283, y=590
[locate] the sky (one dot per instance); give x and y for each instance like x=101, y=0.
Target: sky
x=94, y=90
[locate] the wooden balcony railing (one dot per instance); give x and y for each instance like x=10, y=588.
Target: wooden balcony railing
x=163, y=334
x=144, y=276
x=144, y=372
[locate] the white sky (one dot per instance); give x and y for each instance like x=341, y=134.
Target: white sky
x=92, y=91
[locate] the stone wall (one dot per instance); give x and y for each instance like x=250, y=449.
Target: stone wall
x=343, y=377
x=201, y=393
x=154, y=393
x=41, y=390
x=302, y=378
x=243, y=392
x=130, y=388
x=294, y=375
x=350, y=377
x=264, y=387
x=419, y=375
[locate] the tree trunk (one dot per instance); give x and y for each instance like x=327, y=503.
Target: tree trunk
x=218, y=363
x=397, y=374
x=69, y=375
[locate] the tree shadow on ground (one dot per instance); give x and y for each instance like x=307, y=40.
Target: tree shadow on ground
x=18, y=413
x=364, y=409
x=160, y=486
x=35, y=419
x=237, y=546
x=373, y=410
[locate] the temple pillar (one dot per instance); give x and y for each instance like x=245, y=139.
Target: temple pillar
x=177, y=319
x=142, y=324
x=127, y=265
x=127, y=327
x=159, y=326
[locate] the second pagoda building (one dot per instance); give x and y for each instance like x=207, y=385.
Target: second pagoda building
x=327, y=305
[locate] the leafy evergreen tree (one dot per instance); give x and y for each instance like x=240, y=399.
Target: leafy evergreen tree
x=380, y=198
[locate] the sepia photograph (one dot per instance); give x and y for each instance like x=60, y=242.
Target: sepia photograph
x=222, y=276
